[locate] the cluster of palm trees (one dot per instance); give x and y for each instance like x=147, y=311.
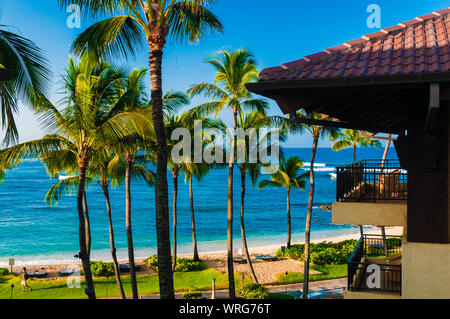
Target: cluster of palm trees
x=107, y=130
x=104, y=133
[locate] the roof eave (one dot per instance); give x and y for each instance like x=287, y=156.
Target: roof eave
x=413, y=78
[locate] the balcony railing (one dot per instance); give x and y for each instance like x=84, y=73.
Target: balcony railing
x=372, y=180
x=375, y=264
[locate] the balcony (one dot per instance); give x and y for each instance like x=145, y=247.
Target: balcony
x=371, y=192
x=375, y=268
x=372, y=181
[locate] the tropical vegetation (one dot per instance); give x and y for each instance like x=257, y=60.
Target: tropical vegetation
x=233, y=69
x=130, y=25
x=109, y=128
x=289, y=176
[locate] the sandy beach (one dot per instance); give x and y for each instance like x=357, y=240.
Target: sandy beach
x=265, y=271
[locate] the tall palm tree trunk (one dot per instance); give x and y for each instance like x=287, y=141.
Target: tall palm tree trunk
x=112, y=242
x=383, y=229
x=174, y=230
x=161, y=187
x=194, y=234
x=84, y=256
x=309, y=215
x=244, y=240
x=129, y=228
x=361, y=227
x=88, y=224
x=231, y=286
x=288, y=211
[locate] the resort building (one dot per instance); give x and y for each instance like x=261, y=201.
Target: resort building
x=394, y=81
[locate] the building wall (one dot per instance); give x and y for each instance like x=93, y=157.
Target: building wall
x=376, y=214
x=426, y=271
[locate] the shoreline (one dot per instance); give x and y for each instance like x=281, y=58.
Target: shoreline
x=212, y=254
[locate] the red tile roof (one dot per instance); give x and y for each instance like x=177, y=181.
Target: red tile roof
x=416, y=46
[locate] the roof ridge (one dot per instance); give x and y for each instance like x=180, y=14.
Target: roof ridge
x=370, y=36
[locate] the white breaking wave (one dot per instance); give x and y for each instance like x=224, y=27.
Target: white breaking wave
x=315, y=164
x=322, y=169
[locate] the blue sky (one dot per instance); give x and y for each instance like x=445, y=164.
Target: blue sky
x=274, y=31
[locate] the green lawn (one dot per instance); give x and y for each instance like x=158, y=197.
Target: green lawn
x=327, y=272
x=147, y=285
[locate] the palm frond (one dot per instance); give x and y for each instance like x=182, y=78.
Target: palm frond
x=266, y=183
x=94, y=8
x=143, y=172
x=116, y=37
x=32, y=77
x=62, y=188
x=29, y=150
x=191, y=20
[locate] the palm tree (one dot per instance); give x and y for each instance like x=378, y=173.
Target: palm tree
x=288, y=176
x=106, y=169
x=65, y=161
x=113, y=172
x=132, y=24
x=31, y=80
x=233, y=70
x=88, y=123
x=173, y=122
x=172, y=102
x=197, y=171
x=132, y=91
x=254, y=120
x=353, y=138
x=316, y=132
x=383, y=161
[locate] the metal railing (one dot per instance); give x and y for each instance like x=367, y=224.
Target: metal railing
x=371, y=180
x=366, y=275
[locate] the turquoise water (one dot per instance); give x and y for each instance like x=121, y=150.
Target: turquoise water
x=33, y=232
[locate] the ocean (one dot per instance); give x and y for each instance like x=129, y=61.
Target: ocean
x=34, y=233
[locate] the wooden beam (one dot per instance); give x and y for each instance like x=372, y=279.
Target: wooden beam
x=372, y=136
x=339, y=124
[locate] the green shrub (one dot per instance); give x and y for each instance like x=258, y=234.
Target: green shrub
x=192, y=295
x=293, y=252
x=252, y=290
x=328, y=256
x=183, y=264
x=152, y=262
x=102, y=269
x=4, y=271
x=325, y=253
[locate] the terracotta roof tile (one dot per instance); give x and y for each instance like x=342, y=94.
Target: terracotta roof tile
x=415, y=46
